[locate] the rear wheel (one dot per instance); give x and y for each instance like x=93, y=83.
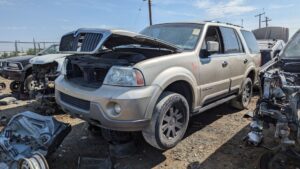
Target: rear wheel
x=169, y=121
x=243, y=100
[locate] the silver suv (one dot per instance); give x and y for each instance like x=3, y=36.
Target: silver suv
x=154, y=81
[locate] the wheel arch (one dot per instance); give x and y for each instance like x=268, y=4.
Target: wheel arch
x=182, y=82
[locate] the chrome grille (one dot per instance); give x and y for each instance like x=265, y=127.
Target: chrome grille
x=83, y=42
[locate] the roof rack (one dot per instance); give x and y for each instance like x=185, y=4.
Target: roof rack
x=213, y=21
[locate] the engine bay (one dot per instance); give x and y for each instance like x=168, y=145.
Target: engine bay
x=90, y=70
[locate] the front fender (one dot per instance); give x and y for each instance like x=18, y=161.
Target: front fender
x=167, y=77
x=60, y=62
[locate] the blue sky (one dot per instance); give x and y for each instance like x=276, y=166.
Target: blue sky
x=48, y=20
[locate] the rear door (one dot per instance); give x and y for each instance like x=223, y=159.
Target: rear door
x=254, y=51
x=236, y=57
x=214, y=72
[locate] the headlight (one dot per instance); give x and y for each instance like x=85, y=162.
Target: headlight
x=124, y=76
x=14, y=66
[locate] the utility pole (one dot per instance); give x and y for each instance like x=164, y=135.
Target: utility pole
x=267, y=19
x=242, y=22
x=16, y=48
x=150, y=10
x=34, y=46
x=259, y=16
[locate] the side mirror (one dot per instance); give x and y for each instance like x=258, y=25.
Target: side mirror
x=212, y=46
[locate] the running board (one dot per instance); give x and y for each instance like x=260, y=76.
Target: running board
x=214, y=104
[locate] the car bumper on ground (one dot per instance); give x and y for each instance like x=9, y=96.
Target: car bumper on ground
x=97, y=106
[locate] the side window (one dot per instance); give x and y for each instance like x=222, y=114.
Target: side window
x=212, y=34
x=242, y=50
x=231, y=42
x=251, y=41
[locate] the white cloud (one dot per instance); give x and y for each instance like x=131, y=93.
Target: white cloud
x=277, y=6
x=224, y=9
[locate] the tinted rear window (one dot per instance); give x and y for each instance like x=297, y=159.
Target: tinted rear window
x=251, y=41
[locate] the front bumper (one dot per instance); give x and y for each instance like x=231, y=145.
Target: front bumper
x=13, y=75
x=95, y=105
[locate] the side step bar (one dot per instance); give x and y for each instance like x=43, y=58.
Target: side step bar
x=214, y=104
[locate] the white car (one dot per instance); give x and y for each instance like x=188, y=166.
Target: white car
x=45, y=69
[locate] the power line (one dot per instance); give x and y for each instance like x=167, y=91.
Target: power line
x=267, y=20
x=259, y=16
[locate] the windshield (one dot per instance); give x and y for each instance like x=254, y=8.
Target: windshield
x=53, y=49
x=293, y=47
x=183, y=35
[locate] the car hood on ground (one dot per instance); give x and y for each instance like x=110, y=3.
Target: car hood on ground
x=92, y=41
x=20, y=58
x=39, y=60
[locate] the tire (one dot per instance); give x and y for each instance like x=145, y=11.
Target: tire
x=94, y=130
x=171, y=112
x=243, y=100
x=2, y=86
x=15, y=86
x=29, y=83
x=271, y=160
x=112, y=136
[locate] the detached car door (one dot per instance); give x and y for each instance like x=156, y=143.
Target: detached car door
x=214, y=73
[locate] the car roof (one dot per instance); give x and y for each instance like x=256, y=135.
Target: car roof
x=212, y=23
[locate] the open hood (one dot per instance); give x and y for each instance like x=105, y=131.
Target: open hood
x=93, y=41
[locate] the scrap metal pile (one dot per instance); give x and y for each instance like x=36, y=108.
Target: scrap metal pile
x=279, y=106
x=28, y=138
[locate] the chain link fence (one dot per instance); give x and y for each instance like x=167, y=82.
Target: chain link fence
x=20, y=48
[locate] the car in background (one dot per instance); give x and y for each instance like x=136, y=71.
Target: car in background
x=19, y=69
x=154, y=81
x=271, y=41
x=1, y=66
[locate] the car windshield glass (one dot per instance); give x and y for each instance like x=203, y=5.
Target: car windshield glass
x=183, y=35
x=50, y=50
x=293, y=47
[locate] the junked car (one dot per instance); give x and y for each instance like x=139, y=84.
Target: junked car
x=279, y=107
x=154, y=81
x=45, y=69
x=19, y=69
x=271, y=41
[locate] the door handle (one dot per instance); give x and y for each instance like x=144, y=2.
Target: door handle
x=224, y=64
x=245, y=61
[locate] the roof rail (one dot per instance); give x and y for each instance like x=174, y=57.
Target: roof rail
x=213, y=21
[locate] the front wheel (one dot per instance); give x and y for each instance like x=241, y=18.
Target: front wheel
x=243, y=100
x=169, y=121
x=29, y=83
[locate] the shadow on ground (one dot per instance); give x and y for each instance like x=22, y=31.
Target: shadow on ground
x=81, y=143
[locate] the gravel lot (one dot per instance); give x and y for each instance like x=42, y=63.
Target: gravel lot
x=213, y=141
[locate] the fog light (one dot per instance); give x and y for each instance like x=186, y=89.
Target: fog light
x=117, y=109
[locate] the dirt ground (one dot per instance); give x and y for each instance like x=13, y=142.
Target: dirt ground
x=213, y=141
